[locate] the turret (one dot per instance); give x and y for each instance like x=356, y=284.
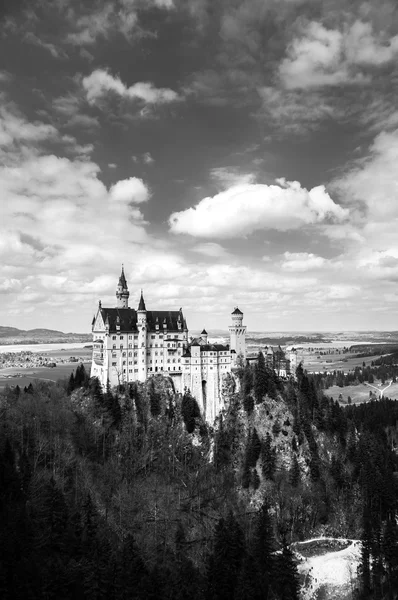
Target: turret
x=122, y=293
x=142, y=338
x=237, y=333
x=203, y=335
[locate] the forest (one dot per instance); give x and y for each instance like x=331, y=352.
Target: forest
x=128, y=493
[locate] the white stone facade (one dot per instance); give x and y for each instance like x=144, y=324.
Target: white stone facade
x=132, y=345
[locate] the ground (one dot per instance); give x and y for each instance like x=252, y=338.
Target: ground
x=329, y=574
x=28, y=375
x=360, y=393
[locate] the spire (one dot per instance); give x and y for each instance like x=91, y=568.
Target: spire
x=122, y=279
x=122, y=293
x=141, y=305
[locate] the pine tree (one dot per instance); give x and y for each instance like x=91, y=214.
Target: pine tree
x=262, y=549
x=294, y=475
x=154, y=399
x=190, y=411
x=268, y=458
x=225, y=564
x=260, y=379
x=71, y=384
x=286, y=582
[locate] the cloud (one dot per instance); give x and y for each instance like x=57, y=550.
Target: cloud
x=302, y=261
x=70, y=107
x=54, y=50
x=90, y=26
x=147, y=158
x=372, y=182
x=129, y=190
x=243, y=209
x=230, y=176
x=15, y=128
x=100, y=82
x=321, y=57
x=296, y=111
x=210, y=249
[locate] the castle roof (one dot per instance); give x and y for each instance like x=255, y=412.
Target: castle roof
x=213, y=347
x=141, y=305
x=204, y=332
x=122, y=280
x=237, y=312
x=127, y=319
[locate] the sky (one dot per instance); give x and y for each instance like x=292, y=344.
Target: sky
x=230, y=153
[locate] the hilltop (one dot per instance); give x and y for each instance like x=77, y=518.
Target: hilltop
x=13, y=335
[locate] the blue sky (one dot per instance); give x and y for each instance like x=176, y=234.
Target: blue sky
x=228, y=153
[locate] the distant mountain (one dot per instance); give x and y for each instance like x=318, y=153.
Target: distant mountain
x=13, y=335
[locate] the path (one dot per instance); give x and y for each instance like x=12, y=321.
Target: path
x=381, y=392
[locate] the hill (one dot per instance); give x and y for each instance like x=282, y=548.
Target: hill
x=13, y=335
x=129, y=493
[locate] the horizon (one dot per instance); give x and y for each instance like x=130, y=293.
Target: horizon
x=248, y=331
x=234, y=154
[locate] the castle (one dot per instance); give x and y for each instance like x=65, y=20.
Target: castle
x=131, y=345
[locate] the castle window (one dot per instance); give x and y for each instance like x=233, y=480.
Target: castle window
x=121, y=346
x=123, y=354
x=124, y=362
x=135, y=353
x=135, y=370
x=113, y=364
x=121, y=338
x=130, y=345
x=114, y=347
x=113, y=354
x=130, y=337
x=161, y=335
x=130, y=362
x=152, y=337
x=130, y=370
x=130, y=354
x=135, y=362
x=113, y=337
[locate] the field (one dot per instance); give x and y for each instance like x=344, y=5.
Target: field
x=27, y=376
x=360, y=393
x=334, y=362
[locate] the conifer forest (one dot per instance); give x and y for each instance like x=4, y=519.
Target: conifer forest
x=128, y=494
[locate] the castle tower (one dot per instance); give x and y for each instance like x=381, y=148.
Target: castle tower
x=122, y=293
x=142, y=339
x=237, y=334
x=203, y=335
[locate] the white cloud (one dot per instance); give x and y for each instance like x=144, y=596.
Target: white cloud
x=101, y=82
x=302, y=261
x=374, y=181
x=147, y=158
x=230, y=176
x=243, y=209
x=130, y=190
x=210, y=249
x=363, y=48
x=328, y=57
x=14, y=128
